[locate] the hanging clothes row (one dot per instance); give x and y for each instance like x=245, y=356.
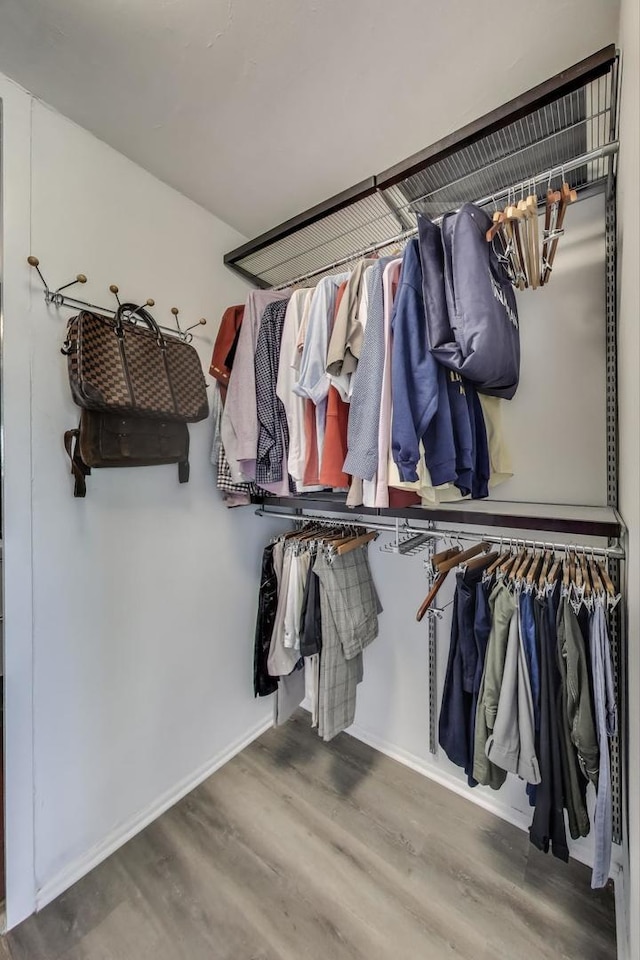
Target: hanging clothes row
x=385, y=382
x=317, y=611
x=529, y=691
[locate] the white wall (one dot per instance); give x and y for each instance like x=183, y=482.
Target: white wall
x=556, y=423
x=142, y=595
x=629, y=403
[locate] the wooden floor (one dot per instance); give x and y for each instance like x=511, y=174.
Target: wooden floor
x=297, y=850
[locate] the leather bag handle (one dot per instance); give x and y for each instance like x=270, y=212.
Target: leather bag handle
x=142, y=314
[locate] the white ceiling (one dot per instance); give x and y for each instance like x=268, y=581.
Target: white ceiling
x=258, y=109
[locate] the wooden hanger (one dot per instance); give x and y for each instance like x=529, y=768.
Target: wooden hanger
x=550, y=220
x=536, y=564
x=572, y=566
x=523, y=226
x=478, y=563
x=606, y=579
x=513, y=571
x=496, y=226
x=513, y=216
x=439, y=558
x=443, y=569
x=584, y=576
x=508, y=565
x=548, y=557
x=567, y=196
x=533, y=234
x=430, y=597
x=500, y=559
x=356, y=542
x=524, y=566
x=555, y=570
x=595, y=576
x=447, y=565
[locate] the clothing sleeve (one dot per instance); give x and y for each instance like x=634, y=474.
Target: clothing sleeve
x=528, y=766
x=439, y=439
x=414, y=379
x=366, y=387
x=579, y=711
x=313, y=381
x=287, y=377
x=240, y=420
x=503, y=744
x=216, y=417
x=503, y=614
x=244, y=412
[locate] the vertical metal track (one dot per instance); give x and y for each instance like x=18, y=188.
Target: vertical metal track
x=617, y=633
x=617, y=636
x=433, y=664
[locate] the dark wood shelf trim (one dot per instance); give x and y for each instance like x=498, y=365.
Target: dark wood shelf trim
x=607, y=526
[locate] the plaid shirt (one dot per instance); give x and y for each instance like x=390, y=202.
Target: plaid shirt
x=273, y=431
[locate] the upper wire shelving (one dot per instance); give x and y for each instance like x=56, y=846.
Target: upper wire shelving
x=562, y=130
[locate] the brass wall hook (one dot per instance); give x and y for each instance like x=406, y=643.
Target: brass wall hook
x=185, y=334
x=54, y=296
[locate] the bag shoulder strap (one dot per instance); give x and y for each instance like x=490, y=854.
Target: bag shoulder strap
x=79, y=469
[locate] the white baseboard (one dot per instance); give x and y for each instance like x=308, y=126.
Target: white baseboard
x=125, y=831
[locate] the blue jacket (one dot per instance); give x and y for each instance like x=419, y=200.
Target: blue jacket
x=421, y=409
x=456, y=726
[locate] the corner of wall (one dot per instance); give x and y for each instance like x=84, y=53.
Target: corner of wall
x=17, y=507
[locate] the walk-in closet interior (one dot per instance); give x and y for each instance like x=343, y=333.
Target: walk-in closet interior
x=352, y=672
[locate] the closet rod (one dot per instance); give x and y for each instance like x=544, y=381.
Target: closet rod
x=615, y=552
x=599, y=154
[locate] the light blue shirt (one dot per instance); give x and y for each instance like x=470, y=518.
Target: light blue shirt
x=314, y=382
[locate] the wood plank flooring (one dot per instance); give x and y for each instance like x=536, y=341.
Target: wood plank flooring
x=299, y=850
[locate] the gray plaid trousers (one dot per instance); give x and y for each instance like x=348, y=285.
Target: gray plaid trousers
x=350, y=606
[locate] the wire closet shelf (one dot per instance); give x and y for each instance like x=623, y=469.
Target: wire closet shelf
x=562, y=130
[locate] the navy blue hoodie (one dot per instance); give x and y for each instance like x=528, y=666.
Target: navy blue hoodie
x=476, y=331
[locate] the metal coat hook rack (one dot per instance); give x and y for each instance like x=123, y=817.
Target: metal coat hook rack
x=60, y=299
